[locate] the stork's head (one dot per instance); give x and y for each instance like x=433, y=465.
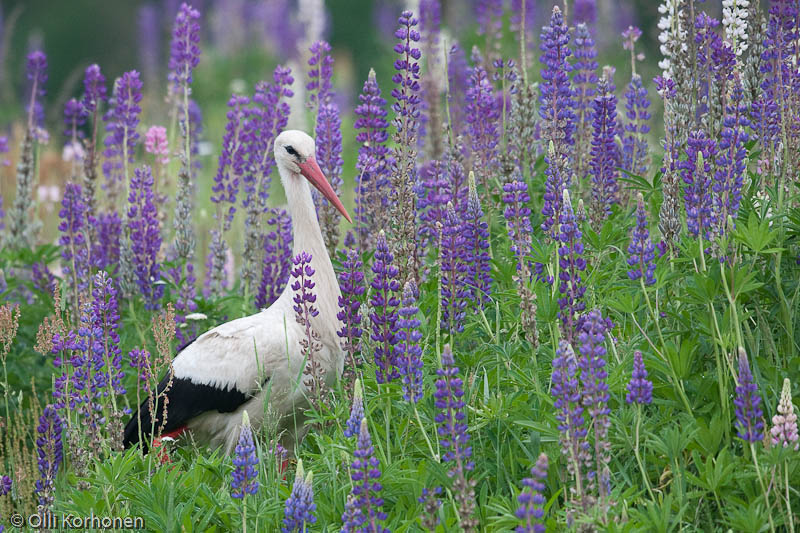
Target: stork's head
x=295, y=153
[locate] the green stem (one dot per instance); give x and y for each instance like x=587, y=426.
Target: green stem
x=763, y=487
x=638, y=455
x=434, y=455
x=789, y=517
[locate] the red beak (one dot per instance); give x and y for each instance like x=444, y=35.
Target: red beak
x=310, y=169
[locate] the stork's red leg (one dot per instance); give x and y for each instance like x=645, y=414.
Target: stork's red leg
x=162, y=454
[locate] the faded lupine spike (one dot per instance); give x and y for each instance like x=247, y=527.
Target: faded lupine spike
x=784, y=422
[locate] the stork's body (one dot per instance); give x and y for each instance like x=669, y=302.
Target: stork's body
x=255, y=363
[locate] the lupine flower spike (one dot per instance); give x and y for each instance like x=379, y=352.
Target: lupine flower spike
x=299, y=508
x=356, y=411
x=409, y=352
x=641, y=249
x=784, y=423
x=245, y=474
x=384, y=303
x=365, y=473
x=531, y=501
x=640, y=389
x=748, y=404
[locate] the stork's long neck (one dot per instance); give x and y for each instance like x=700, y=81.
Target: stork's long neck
x=308, y=237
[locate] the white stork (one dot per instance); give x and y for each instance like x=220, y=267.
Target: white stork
x=255, y=363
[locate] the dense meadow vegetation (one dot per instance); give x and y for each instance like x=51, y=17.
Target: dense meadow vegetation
x=562, y=308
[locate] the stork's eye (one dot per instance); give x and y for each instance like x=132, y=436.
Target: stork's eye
x=291, y=151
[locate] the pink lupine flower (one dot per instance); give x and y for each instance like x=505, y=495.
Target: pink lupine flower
x=155, y=142
x=784, y=423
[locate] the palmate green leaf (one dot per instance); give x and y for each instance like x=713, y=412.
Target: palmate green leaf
x=713, y=474
x=663, y=516
x=641, y=183
x=756, y=234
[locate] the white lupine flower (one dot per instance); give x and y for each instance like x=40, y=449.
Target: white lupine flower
x=734, y=20
x=671, y=32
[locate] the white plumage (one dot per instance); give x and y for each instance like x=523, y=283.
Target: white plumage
x=255, y=363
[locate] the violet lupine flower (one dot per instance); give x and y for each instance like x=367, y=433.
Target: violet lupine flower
x=489, y=14
x=105, y=252
x=569, y=411
x=245, y=474
x=584, y=80
x=641, y=249
x=320, y=74
x=696, y=173
x=298, y=512
x=383, y=316
x=640, y=389
x=406, y=94
x=409, y=352
x=457, y=76
x=572, y=264
x=68, y=349
x=155, y=143
x=371, y=166
x=329, y=156
x=585, y=11
x=37, y=76
x=145, y=237
x=184, y=49
x=140, y=360
x=149, y=28
x=4, y=148
x=94, y=86
x=749, y=425
x=351, y=283
x=2, y=214
x=74, y=118
x=594, y=391
x=365, y=473
x=42, y=277
x=784, y=422
x=122, y=120
x=455, y=291
x=634, y=143
x=433, y=193
x=451, y=418
x=304, y=299
x=605, y=156
x=557, y=181
x=556, y=101
x=5, y=485
x=49, y=447
x=74, y=253
x=482, y=116
x=185, y=303
x=106, y=353
x=277, y=257
x=476, y=250
x=517, y=215
x=531, y=501
x=353, y=425
x=730, y=162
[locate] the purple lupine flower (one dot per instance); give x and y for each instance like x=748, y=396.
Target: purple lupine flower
x=371, y=166
x=454, y=270
x=353, y=425
x=489, y=14
x=320, y=74
x=605, y=156
x=140, y=360
x=584, y=80
x=585, y=11
x=409, y=352
x=329, y=156
x=185, y=303
x=149, y=40
x=634, y=143
x=94, y=87
x=406, y=94
x=105, y=344
x=74, y=253
x=2, y=214
x=49, y=447
x=784, y=423
x=383, y=316
x=245, y=474
x=184, y=49
x=451, y=418
x=483, y=133
x=304, y=300
x=351, y=283
x=65, y=347
x=298, y=512
x=353, y=517
x=731, y=166
x=431, y=501
x=696, y=173
x=277, y=257
x=122, y=120
x=42, y=277
x=531, y=501
x=641, y=249
x=74, y=118
x=105, y=252
x=556, y=182
x=365, y=473
x=5, y=485
x=640, y=389
x=749, y=425
x=232, y=165
x=4, y=148
x=457, y=76
x=556, y=101
x=37, y=77
x=572, y=264
x=145, y=237
x=518, y=217
x=569, y=411
x=476, y=250
x=433, y=194
x=594, y=391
